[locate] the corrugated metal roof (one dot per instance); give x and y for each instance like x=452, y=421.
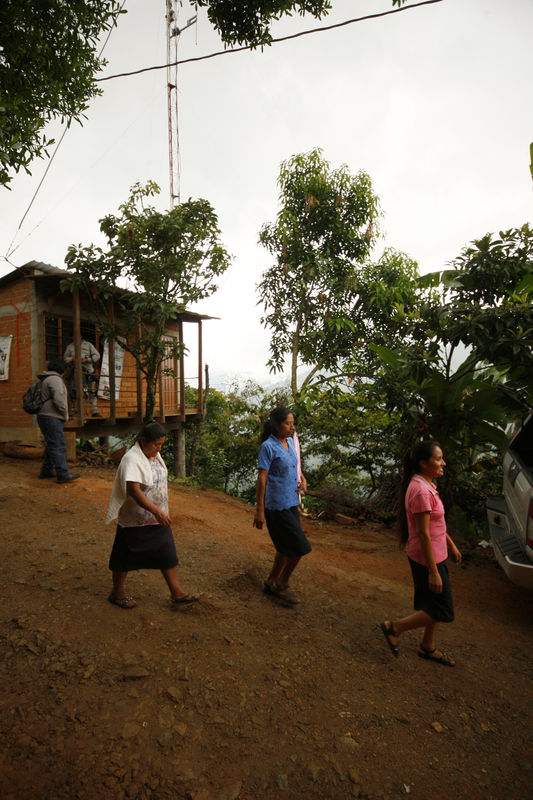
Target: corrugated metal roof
x=38, y=269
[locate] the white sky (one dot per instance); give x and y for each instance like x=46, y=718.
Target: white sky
x=434, y=103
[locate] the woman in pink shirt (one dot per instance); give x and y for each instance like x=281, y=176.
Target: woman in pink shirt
x=427, y=543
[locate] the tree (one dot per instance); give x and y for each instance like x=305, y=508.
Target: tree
x=485, y=303
x=248, y=21
x=226, y=455
x=481, y=308
x=169, y=260
x=350, y=437
x=48, y=61
x=323, y=298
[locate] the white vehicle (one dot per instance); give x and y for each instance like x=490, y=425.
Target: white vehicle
x=511, y=514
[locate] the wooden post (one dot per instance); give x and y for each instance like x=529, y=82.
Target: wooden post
x=111, y=366
x=200, y=403
x=182, y=375
x=161, y=397
x=78, y=373
x=70, y=441
x=138, y=378
x=178, y=450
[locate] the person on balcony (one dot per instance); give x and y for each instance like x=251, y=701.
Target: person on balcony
x=89, y=358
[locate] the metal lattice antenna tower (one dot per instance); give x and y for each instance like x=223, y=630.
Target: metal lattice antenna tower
x=173, y=34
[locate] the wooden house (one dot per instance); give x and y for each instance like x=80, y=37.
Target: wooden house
x=38, y=321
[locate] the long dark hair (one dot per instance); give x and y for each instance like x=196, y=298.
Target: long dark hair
x=150, y=432
x=277, y=416
x=422, y=451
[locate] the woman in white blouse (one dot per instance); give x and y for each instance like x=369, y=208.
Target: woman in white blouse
x=139, y=503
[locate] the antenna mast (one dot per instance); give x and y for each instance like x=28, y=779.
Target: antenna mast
x=173, y=34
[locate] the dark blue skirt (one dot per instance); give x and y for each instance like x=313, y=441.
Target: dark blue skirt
x=438, y=606
x=286, y=532
x=145, y=547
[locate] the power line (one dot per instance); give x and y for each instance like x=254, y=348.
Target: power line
x=273, y=41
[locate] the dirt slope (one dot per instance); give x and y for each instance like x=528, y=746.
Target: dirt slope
x=239, y=697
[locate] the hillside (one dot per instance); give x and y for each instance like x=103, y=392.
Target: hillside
x=238, y=697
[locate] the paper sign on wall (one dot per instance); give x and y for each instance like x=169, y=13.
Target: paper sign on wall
x=104, y=390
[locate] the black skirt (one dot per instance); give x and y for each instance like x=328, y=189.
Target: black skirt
x=145, y=547
x=438, y=606
x=286, y=532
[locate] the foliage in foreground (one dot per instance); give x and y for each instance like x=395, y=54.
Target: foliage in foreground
x=48, y=62
x=248, y=21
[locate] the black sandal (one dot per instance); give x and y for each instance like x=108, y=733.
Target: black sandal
x=444, y=658
x=388, y=631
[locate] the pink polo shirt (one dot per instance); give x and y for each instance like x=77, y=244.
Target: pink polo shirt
x=423, y=496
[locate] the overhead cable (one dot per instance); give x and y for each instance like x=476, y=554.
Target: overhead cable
x=273, y=41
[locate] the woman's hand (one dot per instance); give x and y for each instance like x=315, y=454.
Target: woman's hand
x=259, y=519
x=161, y=517
x=435, y=582
x=302, y=486
x=455, y=553
x=134, y=489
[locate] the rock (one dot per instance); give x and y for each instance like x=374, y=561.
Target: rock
x=350, y=647
x=175, y=694
x=134, y=673
x=437, y=727
x=199, y=794
x=130, y=730
x=354, y=776
x=231, y=791
x=89, y=671
x=347, y=743
x=282, y=781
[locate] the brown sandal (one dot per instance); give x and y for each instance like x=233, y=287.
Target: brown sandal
x=388, y=631
x=126, y=602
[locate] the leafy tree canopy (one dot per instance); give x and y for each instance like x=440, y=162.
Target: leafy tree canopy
x=167, y=259
x=48, y=60
x=479, y=312
x=323, y=297
x=248, y=21
x=486, y=303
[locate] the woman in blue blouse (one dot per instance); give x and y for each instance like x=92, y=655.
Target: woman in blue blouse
x=277, y=501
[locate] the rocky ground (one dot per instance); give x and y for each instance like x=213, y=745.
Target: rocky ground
x=239, y=697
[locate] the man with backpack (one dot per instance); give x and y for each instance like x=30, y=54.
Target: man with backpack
x=51, y=417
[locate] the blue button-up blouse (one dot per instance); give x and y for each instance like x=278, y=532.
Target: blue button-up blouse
x=282, y=478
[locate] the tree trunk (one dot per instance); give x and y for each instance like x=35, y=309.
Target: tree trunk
x=178, y=449
x=199, y=423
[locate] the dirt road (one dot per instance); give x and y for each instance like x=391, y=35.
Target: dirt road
x=239, y=697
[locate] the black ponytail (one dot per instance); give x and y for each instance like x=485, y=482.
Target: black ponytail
x=277, y=416
x=422, y=451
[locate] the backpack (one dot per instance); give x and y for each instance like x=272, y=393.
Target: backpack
x=32, y=399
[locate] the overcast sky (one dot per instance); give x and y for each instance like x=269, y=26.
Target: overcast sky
x=434, y=103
